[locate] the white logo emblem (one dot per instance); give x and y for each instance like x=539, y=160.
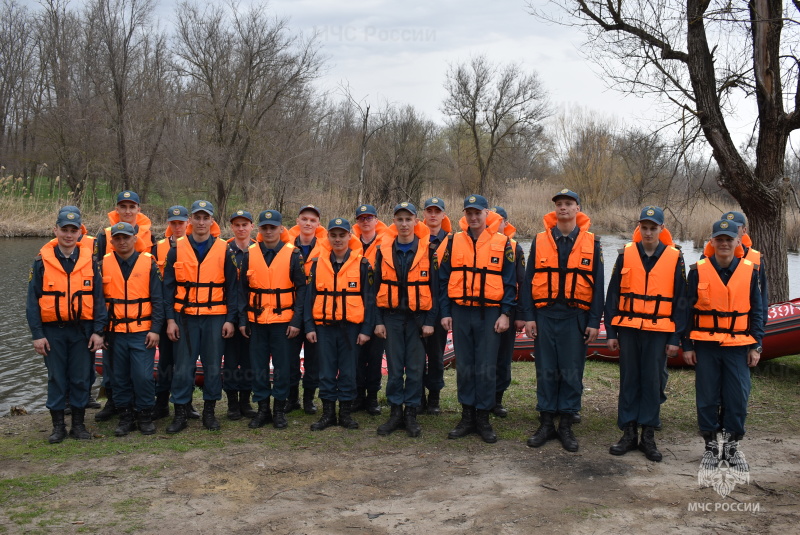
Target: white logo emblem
x=724, y=224
x=203, y=203
x=565, y=190
x=126, y=194
x=70, y=216
x=472, y=199
x=268, y=215
x=176, y=211
x=651, y=212
x=730, y=217
x=363, y=208
x=434, y=200
x=338, y=221
x=725, y=470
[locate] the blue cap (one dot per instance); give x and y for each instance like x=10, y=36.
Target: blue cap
x=70, y=208
x=68, y=218
x=203, y=206
x=567, y=193
x=312, y=208
x=270, y=217
x=128, y=196
x=241, y=213
x=736, y=217
x=177, y=213
x=405, y=206
x=434, y=201
x=652, y=213
x=122, y=228
x=366, y=209
x=476, y=201
x=725, y=228
x=343, y=224
x=501, y=212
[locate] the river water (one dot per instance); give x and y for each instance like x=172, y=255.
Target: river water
x=23, y=377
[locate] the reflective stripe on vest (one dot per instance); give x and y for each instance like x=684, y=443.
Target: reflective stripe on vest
x=272, y=292
x=722, y=312
x=201, y=286
x=476, y=278
x=128, y=301
x=645, y=299
x=67, y=297
x=416, y=286
x=162, y=249
x=338, y=295
x=576, y=279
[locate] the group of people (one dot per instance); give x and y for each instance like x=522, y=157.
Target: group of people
x=344, y=295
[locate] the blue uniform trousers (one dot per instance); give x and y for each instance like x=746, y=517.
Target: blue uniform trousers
x=133, y=370
x=476, y=344
x=200, y=335
x=560, y=354
x=108, y=371
x=405, y=354
x=338, y=356
x=370, y=364
x=166, y=361
x=236, y=368
x=433, y=373
x=505, y=353
x=642, y=357
x=69, y=363
x=270, y=340
x=721, y=371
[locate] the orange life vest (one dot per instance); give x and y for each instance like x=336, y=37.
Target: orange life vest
x=416, y=286
x=576, y=278
x=722, y=312
x=162, y=249
x=128, y=301
x=339, y=295
x=645, y=299
x=201, y=287
x=67, y=297
x=143, y=223
x=272, y=292
x=372, y=251
x=476, y=278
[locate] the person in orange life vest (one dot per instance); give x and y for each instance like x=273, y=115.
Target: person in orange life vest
x=369, y=230
x=438, y=223
x=134, y=297
x=478, y=290
x=200, y=299
x=67, y=315
x=562, y=302
x=304, y=236
x=407, y=283
x=177, y=224
x=506, y=350
x=273, y=287
x=127, y=210
x=645, y=318
x=723, y=338
x=339, y=315
x=236, y=368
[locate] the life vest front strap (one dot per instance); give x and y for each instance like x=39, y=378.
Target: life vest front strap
x=716, y=315
x=481, y=299
x=257, y=299
x=333, y=294
x=629, y=298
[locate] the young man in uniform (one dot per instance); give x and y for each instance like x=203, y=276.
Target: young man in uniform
x=440, y=228
x=273, y=288
x=478, y=292
x=645, y=315
x=369, y=230
x=304, y=235
x=133, y=292
x=237, y=369
x=752, y=255
x=724, y=337
x=67, y=316
x=406, y=278
x=339, y=316
x=563, y=303
x=200, y=299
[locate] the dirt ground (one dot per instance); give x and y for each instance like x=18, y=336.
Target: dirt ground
x=399, y=485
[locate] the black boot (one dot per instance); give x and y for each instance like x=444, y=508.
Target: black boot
x=279, y=415
x=466, y=425
x=245, y=408
x=732, y=454
x=358, y=403
x=93, y=404
x=161, y=409
x=648, y=444
x=433, y=403
x=545, y=432
x=233, y=405
x=710, y=459
x=59, y=427
x=210, y=421
x=262, y=417
x=145, y=420
x=576, y=417
x=293, y=403
x=179, y=422
x=628, y=442
x=191, y=412
x=568, y=440
x=371, y=404
x=328, y=417
x=394, y=422
x=483, y=426
x=78, y=429
x=345, y=415
x=127, y=422
x=413, y=428
x=308, y=401
x=499, y=410
x=109, y=411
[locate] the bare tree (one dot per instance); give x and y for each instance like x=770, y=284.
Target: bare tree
x=494, y=103
x=701, y=56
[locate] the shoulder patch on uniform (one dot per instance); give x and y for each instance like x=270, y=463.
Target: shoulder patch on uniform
x=509, y=254
x=30, y=274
